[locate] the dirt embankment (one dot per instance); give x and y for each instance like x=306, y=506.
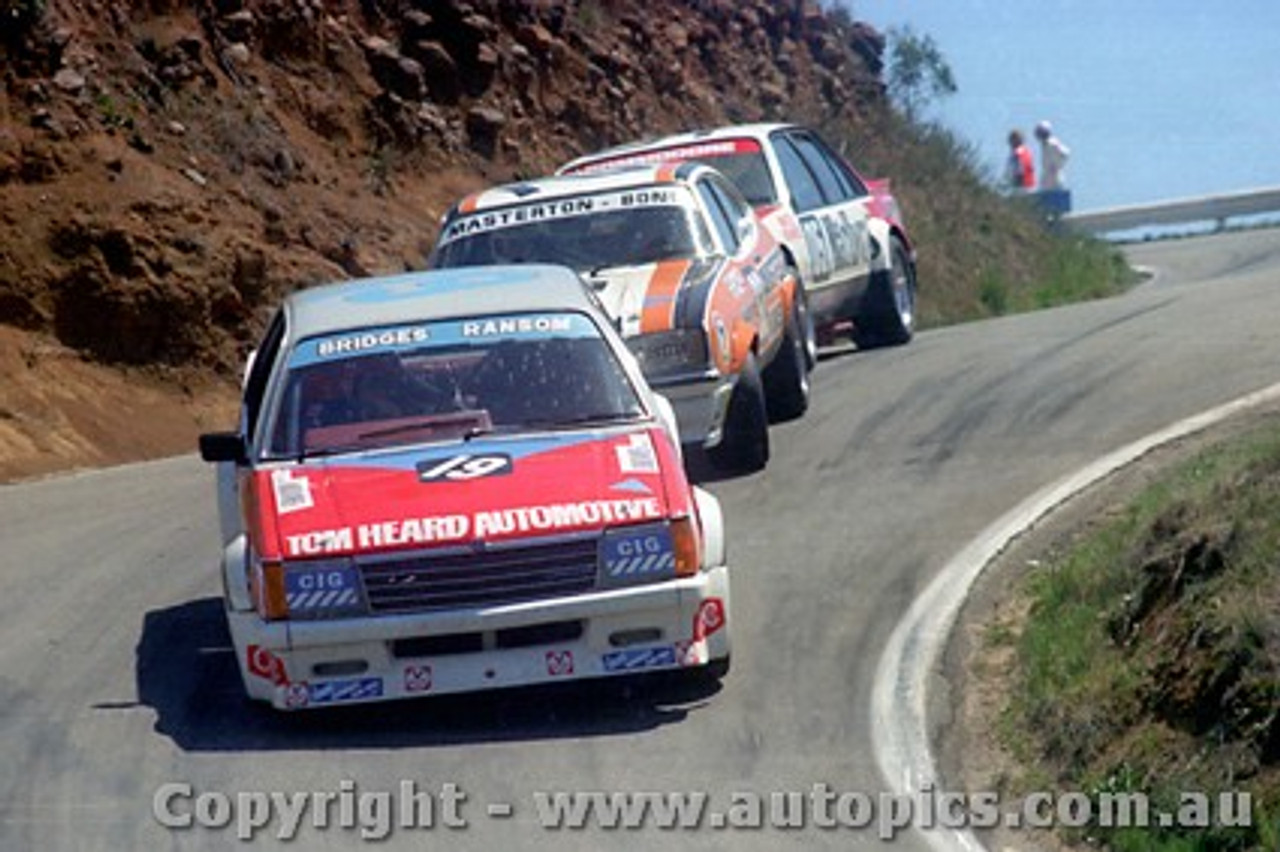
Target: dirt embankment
x=169, y=168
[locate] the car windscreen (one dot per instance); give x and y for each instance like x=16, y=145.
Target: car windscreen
x=630, y=228
x=740, y=160
x=447, y=381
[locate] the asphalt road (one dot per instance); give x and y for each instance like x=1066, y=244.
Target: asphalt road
x=116, y=677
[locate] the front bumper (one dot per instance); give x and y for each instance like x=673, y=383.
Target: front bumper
x=700, y=401
x=670, y=625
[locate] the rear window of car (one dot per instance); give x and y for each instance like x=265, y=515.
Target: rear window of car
x=442, y=381
x=805, y=192
x=740, y=160
x=624, y=228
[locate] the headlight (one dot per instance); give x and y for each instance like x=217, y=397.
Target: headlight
x=311, y=590
x=666, y=353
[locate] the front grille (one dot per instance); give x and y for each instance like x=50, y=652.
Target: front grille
x=481, y=578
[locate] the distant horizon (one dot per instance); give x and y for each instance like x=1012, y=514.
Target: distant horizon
x=1155, y=105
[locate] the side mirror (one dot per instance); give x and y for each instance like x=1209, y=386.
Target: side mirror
x=224, y=447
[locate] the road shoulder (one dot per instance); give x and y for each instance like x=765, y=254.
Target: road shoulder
x=977, y=662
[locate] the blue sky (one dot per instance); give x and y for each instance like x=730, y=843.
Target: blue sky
x=1156, y=101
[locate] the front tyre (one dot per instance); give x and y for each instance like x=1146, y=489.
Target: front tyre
x=744, y=446
x=786, y=379
x=888, y=313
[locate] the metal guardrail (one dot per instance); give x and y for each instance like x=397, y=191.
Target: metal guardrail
x=1208, y=208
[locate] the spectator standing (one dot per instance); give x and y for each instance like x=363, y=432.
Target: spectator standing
x=1054, y=194
x=1053, y=158
x=1021, y=171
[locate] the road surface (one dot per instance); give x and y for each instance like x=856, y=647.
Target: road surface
x=119, y=695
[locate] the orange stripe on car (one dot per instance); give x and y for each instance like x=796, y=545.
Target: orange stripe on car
x=660, y=296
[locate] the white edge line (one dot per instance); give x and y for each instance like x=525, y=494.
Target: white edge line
x=899, y=694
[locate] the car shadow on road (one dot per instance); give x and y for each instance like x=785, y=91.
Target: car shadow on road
x=186, y=671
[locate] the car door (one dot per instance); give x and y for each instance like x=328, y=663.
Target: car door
x=257, y=373
x=831, y=203
x=756, y=265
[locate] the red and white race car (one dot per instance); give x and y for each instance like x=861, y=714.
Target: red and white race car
x=843, y=233
x=455, y=481
x=701, y=291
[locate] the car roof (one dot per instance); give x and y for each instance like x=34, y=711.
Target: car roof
x=562, y=186
x=759, y=131
x=434, y=295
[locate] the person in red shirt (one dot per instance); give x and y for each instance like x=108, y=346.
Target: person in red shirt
x=1021, y=169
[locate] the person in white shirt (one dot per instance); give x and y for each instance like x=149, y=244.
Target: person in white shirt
x=1053, y=158
x=1053, y=193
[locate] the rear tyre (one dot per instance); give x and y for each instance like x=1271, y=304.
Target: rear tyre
x=888, y=312
x=744, y=447
x=786, y=379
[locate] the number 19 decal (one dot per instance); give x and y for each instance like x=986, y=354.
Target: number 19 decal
x=463, y=467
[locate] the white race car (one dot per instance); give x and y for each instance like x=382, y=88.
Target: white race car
x=456, y=481
x=843, y=233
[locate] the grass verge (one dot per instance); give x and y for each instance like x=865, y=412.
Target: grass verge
x=1150, y=659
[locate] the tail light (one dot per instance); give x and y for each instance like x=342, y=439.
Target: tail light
x=688, y=546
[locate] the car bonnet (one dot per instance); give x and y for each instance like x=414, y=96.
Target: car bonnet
x=460, y=494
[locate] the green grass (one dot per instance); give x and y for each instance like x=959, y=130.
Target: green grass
x=1151, y=657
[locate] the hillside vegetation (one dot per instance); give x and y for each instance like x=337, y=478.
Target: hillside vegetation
x=170, y=168
x=1149, y=661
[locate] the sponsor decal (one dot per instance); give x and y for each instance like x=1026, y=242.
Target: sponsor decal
x=320, y=541
x=293, y=493
x=325, y=590
x=442, y=334
x=564, y=515
x=366, y=341
x=464, y=467
x=542, y=211
x=698, y=151
x=266, y=665
x=634, y=659
x=417, y=678
x=634, y=486
x=412, y=531
x=708, y=619
x=297, y=695
x=637, y=455
x=559, y=663
x=338, y=691
x=691, y=653
x=485, y=524
x=638, y=554
x=723, y=344
x=511, y=326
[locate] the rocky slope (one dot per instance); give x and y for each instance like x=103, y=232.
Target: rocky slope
x=169, y=168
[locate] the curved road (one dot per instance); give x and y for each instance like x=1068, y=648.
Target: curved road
x=116, y=678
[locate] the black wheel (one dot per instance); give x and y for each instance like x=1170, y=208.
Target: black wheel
x=888, y=313
x=744, y=446
x=786, y=379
